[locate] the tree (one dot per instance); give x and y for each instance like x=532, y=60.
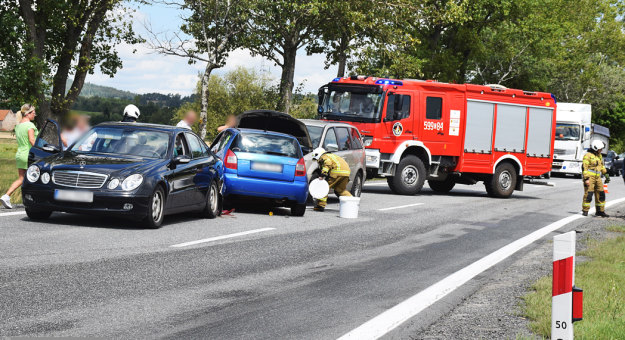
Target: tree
x=44, y=41
x=209, y=32
x=277, y=29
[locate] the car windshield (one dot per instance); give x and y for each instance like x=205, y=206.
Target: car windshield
x=567, y=132
x=352, y=106
x=315, y=134
x=124, y=141
x=267, y=145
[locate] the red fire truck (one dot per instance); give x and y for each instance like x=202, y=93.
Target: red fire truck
x=415, y=130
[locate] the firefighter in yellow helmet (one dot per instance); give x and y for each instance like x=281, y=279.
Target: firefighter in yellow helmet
x=592, y=168
x=335, y=170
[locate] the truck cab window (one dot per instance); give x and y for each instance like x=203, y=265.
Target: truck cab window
x=434, y=108
x=397, y=107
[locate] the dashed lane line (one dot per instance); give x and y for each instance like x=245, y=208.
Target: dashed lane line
x=401, y=206
x=392, y=318
x=223, y=237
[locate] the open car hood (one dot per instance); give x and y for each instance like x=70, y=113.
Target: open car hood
x=275, y=121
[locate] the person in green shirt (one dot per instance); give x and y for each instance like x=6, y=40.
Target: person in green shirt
x=26, y=134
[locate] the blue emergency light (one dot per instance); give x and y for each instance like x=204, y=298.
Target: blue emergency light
x=336, y=80
x=389, y=82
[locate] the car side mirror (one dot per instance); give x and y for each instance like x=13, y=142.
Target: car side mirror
x=51, y=148
x=332, y=147
x=182, y=159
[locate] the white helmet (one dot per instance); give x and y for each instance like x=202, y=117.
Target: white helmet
x=317, y=153
x=597, y=145
x=132, y=112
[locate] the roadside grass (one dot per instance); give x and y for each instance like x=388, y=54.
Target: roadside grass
x=8, y=169
x=616, y=228
x=602, y=278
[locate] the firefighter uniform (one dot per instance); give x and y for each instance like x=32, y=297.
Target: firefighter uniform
x=592, y=167
x=336, y=170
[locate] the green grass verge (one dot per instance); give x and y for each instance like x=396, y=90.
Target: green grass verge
x=8, y=148
x=603, y=280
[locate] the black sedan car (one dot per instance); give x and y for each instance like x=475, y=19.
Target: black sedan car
x=137, y=171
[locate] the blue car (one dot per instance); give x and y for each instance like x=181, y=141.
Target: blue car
x=263, y=164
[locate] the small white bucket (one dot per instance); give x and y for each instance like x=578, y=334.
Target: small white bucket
x=348, y=207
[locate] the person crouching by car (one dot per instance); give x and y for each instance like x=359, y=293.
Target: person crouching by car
x=335, y=170
x=131, y=114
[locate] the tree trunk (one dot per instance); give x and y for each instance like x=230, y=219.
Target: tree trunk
x=343, y=44
x=286, y=80
x=205, y=93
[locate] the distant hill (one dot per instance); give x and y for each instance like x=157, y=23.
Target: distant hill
x=93, y=90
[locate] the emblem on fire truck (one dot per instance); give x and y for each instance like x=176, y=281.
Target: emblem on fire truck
x=398, y=129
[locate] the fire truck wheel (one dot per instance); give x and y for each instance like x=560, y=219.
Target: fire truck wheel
x=409, y=176
x=441, y=186
x=503, y=181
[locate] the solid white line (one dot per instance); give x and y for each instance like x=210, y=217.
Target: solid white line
x=13, y=213
x=221, y=237
x=390, y=319
x=374, y=184
x=402, y=206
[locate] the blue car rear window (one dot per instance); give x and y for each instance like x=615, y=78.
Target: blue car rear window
x=267, y=145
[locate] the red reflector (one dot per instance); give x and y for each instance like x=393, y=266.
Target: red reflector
x=300, y=168
x=562, y=276
x=578, y=304
x=231, y=160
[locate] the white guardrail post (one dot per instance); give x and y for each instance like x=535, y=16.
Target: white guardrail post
x=567, y=300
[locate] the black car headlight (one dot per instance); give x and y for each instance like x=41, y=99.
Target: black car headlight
x=132, y=182
x=32, y=174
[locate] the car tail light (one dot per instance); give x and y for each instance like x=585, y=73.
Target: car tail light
x=231, y=160
x=300, y=168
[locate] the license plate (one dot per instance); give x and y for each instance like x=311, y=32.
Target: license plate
x=73, y=196
x=266, y=167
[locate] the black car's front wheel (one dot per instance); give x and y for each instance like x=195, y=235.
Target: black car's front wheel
x=37, y=215
x=211, y=210
x=156, y=207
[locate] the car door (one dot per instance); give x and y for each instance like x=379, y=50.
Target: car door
x=183, y=191
x=358, y=151
x=48, y=142
x=345, y=147
x=203, y=162
x=434, y=114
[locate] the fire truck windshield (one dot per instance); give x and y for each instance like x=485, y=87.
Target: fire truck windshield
x=352, y=106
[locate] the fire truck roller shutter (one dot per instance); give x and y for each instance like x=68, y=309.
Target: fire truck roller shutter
x=510, y=130
x=539, y=132
x=478, y=136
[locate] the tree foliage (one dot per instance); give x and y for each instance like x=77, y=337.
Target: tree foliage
x=42, y=43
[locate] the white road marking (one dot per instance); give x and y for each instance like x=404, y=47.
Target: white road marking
x=375, y=184
x=390, y=319
x=401, y=206
x=13, y=213
x=221, y=237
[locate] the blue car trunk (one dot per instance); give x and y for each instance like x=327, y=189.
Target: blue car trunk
x=266, y=166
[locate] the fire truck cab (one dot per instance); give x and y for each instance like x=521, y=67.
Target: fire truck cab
x=448, y=134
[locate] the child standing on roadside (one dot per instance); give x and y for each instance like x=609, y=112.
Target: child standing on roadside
x=26, y=134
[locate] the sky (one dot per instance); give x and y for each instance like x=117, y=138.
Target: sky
x=146, y=72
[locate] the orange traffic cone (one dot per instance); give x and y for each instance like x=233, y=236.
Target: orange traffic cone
x=605, y=189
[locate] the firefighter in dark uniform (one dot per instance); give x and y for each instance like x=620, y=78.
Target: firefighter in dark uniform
x=335, y=170
x=592, y=169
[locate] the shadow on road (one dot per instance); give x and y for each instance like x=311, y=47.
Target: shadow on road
x=383, y=190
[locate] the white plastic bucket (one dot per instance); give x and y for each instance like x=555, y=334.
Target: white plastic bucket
x=348, y=207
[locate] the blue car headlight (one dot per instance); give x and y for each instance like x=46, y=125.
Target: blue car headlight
x=132, y=182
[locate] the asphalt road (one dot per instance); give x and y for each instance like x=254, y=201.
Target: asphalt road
x=314, y=277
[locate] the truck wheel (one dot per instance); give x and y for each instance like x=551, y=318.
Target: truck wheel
x=409, y=176
x=357, y=186
x=503, y=181
x=441, y=186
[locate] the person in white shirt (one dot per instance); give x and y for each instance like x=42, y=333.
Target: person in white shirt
x=189, y=119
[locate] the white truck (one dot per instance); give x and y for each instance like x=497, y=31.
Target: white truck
x=574, y=133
